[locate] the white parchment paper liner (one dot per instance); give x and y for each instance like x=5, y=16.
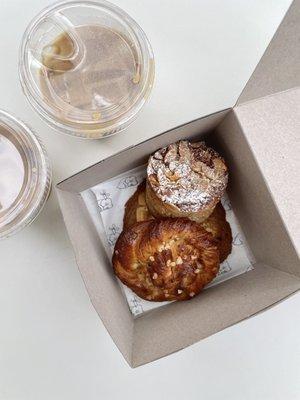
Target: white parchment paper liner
x=105, y=203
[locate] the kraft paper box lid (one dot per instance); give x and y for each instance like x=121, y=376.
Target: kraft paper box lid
x=250, y=136
x=278, y=69
x=268, y=109
x=272, y=128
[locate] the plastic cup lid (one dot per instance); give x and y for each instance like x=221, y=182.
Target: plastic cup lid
x=86, y=66
x=25, y=176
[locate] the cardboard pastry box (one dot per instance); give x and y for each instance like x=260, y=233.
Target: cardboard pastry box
x=258, y=139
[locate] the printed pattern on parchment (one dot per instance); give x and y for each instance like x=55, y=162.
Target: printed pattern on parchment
x=104, y=201
x=111, y=198
x=128, y=182
x=114, y=232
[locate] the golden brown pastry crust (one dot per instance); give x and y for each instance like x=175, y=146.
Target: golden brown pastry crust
x=217, y=225
x=136, y=210
x=185, y=180
x=164, y=260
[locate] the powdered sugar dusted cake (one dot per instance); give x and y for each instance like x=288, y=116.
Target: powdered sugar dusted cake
x=185, y=180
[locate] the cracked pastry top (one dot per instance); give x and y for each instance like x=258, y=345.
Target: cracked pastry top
x=185, y=180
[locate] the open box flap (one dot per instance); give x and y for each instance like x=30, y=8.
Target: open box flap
x=278, y=69
x=271, y=127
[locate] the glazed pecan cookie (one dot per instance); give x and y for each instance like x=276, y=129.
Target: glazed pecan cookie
x=168, y=259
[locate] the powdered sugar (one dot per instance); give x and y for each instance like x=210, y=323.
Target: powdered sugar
x=188, y=176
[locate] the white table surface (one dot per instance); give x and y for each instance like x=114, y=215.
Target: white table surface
x=52, y=344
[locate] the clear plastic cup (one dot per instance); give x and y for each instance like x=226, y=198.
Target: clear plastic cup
x=25, y=175
x=86, y=67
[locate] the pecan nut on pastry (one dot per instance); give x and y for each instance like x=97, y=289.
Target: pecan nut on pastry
x=136, y=210
x=168, y=259
x=185, y=180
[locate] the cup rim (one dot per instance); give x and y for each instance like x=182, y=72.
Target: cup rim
x=35, y=195
x=87, y=129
